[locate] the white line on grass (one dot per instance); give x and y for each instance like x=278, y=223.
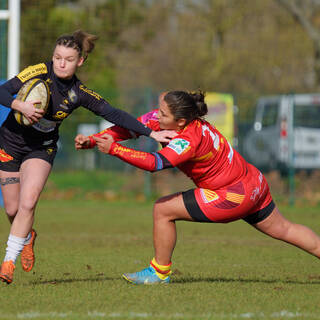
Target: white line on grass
x=283, y=314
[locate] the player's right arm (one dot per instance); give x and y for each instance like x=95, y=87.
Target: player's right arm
x=7, y=90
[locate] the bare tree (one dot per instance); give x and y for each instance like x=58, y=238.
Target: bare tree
x=307, y=12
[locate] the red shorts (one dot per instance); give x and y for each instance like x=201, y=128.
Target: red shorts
x=248, y=199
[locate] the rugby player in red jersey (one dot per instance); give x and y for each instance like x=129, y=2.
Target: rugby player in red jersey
x=227, y=187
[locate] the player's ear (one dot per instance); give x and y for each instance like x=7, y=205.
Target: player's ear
x=80, y=62
x=182, y=122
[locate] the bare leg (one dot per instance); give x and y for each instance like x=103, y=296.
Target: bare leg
x=33, y=176
x=165, y=212
x=276, y=226
x=10, y=188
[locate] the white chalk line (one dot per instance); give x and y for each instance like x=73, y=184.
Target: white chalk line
x=284, y=314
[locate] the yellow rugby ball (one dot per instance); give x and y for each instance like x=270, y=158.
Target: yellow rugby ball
x=33, y=90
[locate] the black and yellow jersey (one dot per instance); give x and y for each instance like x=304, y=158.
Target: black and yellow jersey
x=65, y=97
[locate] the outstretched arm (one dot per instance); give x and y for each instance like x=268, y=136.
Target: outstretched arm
x=149, y=119
x=140, y=159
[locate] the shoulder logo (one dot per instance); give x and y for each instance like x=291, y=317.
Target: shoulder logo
x=32, y=71
x=179, y=145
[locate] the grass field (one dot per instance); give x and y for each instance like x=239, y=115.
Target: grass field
x=220, y=271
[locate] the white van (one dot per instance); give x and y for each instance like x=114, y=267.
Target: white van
x=286, y=131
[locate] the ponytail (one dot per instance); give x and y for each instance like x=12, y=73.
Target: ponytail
x=186, y=105
x=81, y=41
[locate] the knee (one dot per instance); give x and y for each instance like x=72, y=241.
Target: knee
x=11, y=210
x=28, y=202
x=159, y=211
x=27, y=206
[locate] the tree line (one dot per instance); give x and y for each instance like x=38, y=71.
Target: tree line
x=247, y=48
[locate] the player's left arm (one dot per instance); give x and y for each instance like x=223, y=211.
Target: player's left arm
x=120, y=134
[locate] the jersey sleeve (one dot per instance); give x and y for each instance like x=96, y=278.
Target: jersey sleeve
x=140, y=159
x=95, y=103
x=7, y=90
x=149, y=119
x=179, y=150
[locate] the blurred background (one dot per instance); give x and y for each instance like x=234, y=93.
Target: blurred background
x=259, y=61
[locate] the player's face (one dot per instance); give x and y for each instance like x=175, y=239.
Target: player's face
x=65, y=62
x=166, y=118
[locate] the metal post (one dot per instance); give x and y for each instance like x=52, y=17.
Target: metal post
x=13, y=38
x=291, y=173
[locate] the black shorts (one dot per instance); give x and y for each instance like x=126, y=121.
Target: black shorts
x=14, y=150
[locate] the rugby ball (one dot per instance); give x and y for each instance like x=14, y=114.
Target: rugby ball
x=34, y=89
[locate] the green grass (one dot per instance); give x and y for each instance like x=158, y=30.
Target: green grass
x=220, y=271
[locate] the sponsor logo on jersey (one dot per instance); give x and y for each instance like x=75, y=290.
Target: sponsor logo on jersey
x=208, y=195
x=72, y=96
x=4, y=157
x=49, y=151
x=32, y=71
x=179, y=145
x=60, y=115
x=91, y=92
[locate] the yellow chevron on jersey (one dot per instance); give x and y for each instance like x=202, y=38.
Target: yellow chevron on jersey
x=91, y=92
x=234, y=197
x=208, y=195
x=32, y=71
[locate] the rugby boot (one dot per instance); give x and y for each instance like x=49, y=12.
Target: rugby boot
x=27, y=254
x=6, y=271
x=145, y=276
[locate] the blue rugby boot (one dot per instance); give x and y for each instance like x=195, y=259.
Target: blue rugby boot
x=146, y=276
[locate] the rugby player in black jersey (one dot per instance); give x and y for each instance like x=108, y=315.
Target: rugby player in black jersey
x=27, y=152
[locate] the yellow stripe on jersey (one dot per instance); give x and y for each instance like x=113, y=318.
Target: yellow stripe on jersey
x=205, y=157
x=32, y=71
x=91, y=92
x=234, y=197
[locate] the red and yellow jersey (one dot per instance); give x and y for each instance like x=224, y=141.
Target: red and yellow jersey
x=204, y=155
x=199, y=150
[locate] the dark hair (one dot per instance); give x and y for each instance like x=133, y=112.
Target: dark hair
x=187, y=105
x=81, y=41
